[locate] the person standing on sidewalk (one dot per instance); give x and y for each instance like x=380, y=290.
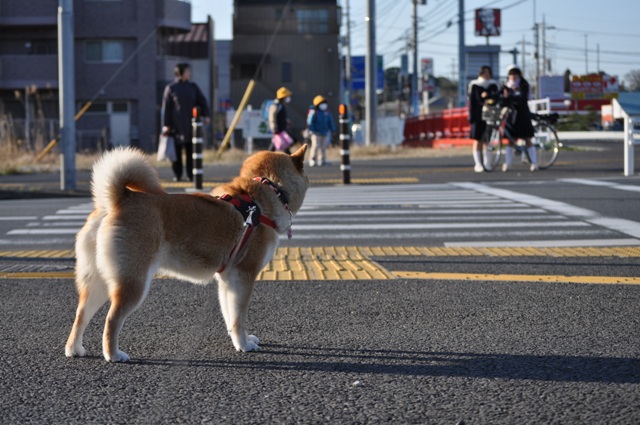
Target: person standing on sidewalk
x=480, y=89
x=516, y=90
x=321, y=125
x=178, y=101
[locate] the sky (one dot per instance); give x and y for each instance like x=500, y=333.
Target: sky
x=575, y=31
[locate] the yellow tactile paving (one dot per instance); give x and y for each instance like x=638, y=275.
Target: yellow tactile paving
x=355, y=263
x=323, y=263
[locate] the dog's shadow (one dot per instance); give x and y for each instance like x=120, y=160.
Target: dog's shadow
x=558, y=368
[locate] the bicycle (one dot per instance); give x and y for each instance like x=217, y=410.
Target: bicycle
x=546, y=142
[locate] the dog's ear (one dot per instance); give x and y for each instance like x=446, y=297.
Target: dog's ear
x=298, y=157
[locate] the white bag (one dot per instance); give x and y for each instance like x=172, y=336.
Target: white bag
x=166, y=148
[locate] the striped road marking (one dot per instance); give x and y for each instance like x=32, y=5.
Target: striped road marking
x=356, y=263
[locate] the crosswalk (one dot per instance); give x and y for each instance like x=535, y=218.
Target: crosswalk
x=450, y=215
x=454, y=214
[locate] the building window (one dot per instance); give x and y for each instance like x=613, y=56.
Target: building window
x=314, y=21
x=104, y=51
x=248, y=71
x=119, y=107
x=286, y=72
x=42, y=47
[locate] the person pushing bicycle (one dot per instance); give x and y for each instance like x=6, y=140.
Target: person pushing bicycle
x=516, y=92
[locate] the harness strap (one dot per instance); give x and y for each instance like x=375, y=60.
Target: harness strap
x=252, y=217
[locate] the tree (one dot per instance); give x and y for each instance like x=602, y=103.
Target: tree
x=633, y=78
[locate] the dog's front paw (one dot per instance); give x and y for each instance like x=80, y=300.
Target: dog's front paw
x=72, y=351
x=248, y=346
x=118, y=357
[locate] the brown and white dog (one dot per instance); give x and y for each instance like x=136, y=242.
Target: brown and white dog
x=138, y=230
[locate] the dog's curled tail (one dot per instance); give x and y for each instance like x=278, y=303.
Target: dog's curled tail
x=119, y=170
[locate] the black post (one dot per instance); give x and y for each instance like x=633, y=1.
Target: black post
x=345, y=137
x=196, y=139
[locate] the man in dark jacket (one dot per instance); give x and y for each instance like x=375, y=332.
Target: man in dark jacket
x=178, y=101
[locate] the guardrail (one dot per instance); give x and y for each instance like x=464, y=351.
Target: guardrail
x=631, y=134
x=451, y=126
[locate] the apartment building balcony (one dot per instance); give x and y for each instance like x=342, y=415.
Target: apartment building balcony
x=28, y=13
x=175, y=14
x=20, y=71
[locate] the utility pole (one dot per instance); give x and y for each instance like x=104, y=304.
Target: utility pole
x=371, y=62
x=524, y=55
x=544, y=47
x=414, y=79
x=536, y=55
x=347, y=68
x=514, y=54
x=67, y=95
x=586, y=54
x=598, y=58
x=462, y=75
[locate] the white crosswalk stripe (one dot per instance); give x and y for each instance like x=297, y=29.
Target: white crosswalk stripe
x=446, y=214
x=457, y=214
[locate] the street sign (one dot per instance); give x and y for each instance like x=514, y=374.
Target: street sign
x=358, y=73
x=488, y=22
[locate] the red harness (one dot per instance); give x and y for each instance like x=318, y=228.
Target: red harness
x=252, y=216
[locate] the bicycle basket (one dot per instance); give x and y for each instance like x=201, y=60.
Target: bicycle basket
x=491, y=113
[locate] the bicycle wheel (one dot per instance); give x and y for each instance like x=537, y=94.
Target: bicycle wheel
x=491, y=148
x=547, y=144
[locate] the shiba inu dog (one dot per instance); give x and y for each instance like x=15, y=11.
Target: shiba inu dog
x=137, y=230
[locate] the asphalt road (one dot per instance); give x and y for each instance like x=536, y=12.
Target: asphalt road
x=333, y=352
x=424, y=350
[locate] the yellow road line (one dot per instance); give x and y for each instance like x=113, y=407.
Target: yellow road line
x=608, y=280
x=317, y=180
x=37, y=275
x=61, y=253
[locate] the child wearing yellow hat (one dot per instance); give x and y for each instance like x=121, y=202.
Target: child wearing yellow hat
x=278, y=121
x=321, y=125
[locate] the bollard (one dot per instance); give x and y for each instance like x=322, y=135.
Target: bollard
x=196, y=139
x=345, y=138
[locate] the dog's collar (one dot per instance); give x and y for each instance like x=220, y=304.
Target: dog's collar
x=282, y=197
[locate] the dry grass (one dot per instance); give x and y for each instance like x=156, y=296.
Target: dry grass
x=14, y=161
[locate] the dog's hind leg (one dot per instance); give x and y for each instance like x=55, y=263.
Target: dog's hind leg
x=235, y=294
x=91, y=298
x=126, y=295
x=92, y=289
